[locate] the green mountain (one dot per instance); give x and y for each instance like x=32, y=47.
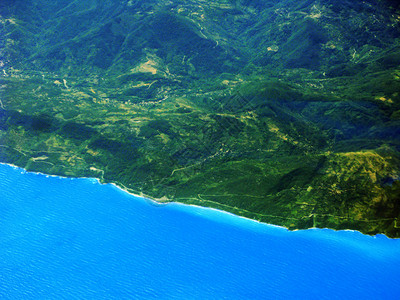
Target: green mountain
x=286, y=111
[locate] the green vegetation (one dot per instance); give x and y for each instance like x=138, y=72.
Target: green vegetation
x=287, y=112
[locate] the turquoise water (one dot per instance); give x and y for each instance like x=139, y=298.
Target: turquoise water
x=64, y=238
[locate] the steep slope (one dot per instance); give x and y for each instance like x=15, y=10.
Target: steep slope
x=283, y=111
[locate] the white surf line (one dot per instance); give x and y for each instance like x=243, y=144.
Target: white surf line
x=121, y=187
x=1, y=105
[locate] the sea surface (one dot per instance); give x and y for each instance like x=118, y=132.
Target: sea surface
x=64, y=238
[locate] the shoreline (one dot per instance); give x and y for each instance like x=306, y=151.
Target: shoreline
x=160, y=202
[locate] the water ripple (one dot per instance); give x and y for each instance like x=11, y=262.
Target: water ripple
x=64, y=238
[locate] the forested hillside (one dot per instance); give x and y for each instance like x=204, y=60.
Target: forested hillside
x=286, y=111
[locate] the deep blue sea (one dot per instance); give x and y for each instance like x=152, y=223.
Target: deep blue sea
x=63, y=238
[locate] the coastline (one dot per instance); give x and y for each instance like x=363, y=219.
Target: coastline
x=162, y=202
x=66, y=237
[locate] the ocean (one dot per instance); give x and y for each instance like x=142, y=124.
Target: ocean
x=71, y=238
